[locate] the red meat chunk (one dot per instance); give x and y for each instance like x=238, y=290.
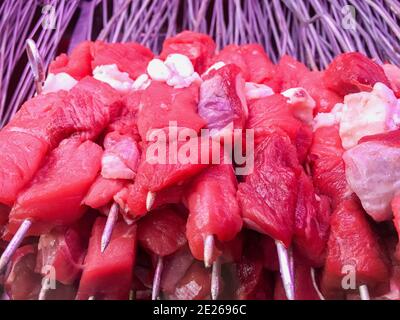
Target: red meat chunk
x=325, y=98
x=353, y=72
x=155, y=177
x=21, y=156
x=175, y=267
x=199, y=48
x=269, y=253
x=162, y=232
x=328, y=169
x=272, y=113
x=252, y=281
x=311, y=228
x=392, y=72
x=102, y=192
x=4, y=211
x=288, y=74
x=222, y=101
x=126, y=122
x=396, y=220
x=77, y=65
x=194, y=285
x=162, y=104
x=268, y=195
x=352, y=242
x=64, y=249
x=99, y=100
x=22, y=283
x=213, y=208
x=251, y=59
x=137, y=196
x=54, y=196
x=129, y=57
x=250, y=275
x=85, y=110
x=43, y=121
x=108, y=275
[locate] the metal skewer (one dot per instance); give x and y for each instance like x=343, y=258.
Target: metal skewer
x=285, y=270
x=43, y=292
x=209, y=246
x=14, y=243
x=157, y=279
x=36, y=64
x=216, y=279
x=364, y=292
x=208, y=250
x=109, y=227
x=151, y=197
x=315, y=285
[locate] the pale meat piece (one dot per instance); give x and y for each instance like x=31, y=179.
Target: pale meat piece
x=373, y=172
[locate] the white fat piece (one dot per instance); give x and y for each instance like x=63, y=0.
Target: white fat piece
x=110, y=74
x=179, y=64
x=368, y=113
x=57, y=82
x=141, y=82
x=256, y=91
x=158, y=71
x=301, y=103
x=177, y=71
x=327, y=119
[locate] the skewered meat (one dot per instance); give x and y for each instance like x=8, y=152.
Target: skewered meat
x=108, y=275
x=119, y=130
x=53, y=198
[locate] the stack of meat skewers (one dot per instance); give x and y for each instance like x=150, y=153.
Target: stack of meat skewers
x=310, y=214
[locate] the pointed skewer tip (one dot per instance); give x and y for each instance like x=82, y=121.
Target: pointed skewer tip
x=315, y=285
x=157, y=279
x=285, y=270
x=151, y=197
x=14, y=244
x=109, y=227
x=364, y=292
x=36, y=64
x=208, y=250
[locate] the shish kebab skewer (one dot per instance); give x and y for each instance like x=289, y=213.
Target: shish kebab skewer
x=168, y=224
x=364, y=295
x=37, y=69
x=110, y=223
x=209, y=243
x=36, y=64
x=155, y=292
